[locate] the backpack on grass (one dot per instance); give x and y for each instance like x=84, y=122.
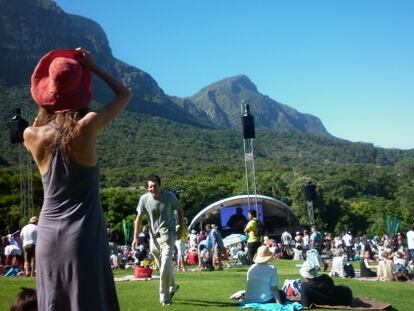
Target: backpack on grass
x=349, y=270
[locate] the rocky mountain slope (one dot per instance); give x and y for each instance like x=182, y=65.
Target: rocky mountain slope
x=30, y=28
x=219, y=103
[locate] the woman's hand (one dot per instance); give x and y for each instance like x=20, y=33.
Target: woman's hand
x=86, y=60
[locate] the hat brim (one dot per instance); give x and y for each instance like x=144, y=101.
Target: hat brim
x=65, y=101
x=261, y=259
x=306, y=274
x=33, y=220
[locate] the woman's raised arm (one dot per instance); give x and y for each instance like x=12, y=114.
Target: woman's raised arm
x=98, y=120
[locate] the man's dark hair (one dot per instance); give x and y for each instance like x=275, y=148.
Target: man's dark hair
x=154, y=178
x=26, y=300
x=253, y=212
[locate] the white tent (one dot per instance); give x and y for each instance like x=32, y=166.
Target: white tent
x=275, y=215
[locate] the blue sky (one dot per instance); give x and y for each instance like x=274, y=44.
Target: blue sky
x=349, y=62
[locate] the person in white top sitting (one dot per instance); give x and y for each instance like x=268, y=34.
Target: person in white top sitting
x=262, y=279
x=338, y=264
x=29, y=237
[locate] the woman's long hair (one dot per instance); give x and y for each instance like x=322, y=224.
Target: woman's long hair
x=64, y=123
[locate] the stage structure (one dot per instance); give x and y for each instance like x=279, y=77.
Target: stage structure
x=17, y=125
x=248, y=136
x=230, y=215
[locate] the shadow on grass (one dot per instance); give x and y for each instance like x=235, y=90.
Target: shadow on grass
x=205, y=303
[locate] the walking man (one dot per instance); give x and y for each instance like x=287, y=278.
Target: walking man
x=160, y=206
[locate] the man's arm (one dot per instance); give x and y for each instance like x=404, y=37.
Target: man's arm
x=275, y=294
x=180, y=231
x=137, y=229
x=248, y=227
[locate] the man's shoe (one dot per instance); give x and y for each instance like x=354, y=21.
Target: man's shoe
x=177, y=287
x=166, y=303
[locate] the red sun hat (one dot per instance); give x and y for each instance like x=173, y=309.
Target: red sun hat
x=60, y=83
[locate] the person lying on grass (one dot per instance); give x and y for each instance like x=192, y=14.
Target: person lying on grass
x=321, y=290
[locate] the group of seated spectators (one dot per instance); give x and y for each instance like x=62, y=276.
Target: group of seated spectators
x=384, y=258
x=262, y=284
x=380, y=258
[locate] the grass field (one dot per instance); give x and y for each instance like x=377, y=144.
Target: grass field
x=210, y=290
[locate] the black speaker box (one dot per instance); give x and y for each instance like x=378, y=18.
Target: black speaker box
x=16, y=128
x=310, y=191
x=248, y=127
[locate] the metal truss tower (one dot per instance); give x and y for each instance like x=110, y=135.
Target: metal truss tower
x=248, y=136
x=16, y=127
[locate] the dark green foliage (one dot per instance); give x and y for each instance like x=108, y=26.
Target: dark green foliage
x=357, y=183
x=11, y=214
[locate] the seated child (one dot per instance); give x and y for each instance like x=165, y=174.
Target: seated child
x=386, y=268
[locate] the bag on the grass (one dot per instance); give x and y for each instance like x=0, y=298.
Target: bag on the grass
x=349, y=270
x=292, y=287
x=208, y=265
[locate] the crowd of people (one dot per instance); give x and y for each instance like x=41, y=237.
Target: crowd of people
x=71, y=224
x=381, y=258
x=389, y=257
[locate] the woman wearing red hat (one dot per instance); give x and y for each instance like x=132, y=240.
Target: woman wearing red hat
x=72, y=267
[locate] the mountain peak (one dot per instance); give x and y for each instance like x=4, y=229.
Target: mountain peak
x=219, y=105
x=233, y=84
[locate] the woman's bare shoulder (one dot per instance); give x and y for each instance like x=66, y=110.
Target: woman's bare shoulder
x=38, y=135
x=87, y=122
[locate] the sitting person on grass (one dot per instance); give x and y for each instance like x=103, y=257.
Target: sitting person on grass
x=366, y=267
x=338, y=264
x=321, y=290
x=386, y=268
x=262, y=280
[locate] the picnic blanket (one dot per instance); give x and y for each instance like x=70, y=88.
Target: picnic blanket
x=358, y=303
x=127, y=278
x=294, y=306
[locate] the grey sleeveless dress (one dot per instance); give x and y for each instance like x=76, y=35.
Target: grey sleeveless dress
x=72, y=259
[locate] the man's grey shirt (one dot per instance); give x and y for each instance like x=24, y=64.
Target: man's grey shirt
x=160, y=211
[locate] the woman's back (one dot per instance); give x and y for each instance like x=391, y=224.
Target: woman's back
x=260, y=279
x=73, y=270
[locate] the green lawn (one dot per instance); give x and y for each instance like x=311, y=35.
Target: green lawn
x=210, y=290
